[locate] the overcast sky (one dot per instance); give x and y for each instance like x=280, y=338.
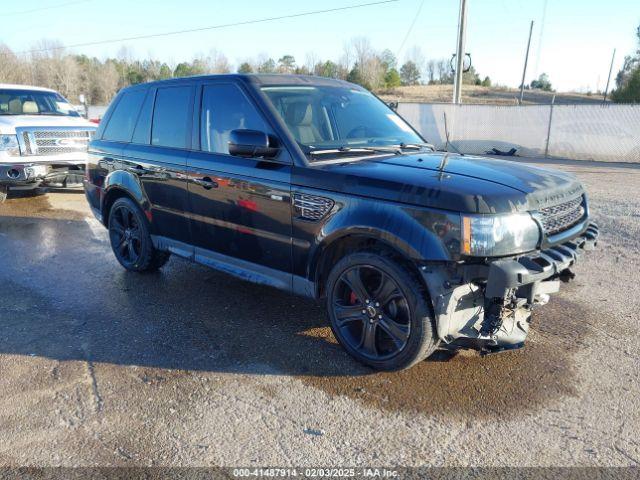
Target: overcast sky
x=578, y=36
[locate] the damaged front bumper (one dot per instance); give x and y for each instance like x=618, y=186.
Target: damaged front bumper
x=487, y=307
x=20, y=174
x=28, y=175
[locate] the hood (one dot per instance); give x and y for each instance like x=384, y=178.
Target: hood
x=8, y=123
x=452, y=182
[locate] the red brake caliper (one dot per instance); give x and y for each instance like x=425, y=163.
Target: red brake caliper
x=353, y=299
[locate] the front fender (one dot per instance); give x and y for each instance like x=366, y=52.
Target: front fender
x=419, y=234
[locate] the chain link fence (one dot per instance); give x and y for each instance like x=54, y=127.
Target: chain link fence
x=581, y=132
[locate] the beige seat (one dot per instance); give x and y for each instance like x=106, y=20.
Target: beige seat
x=15, y=106
x=30, y=107
x=299, y=119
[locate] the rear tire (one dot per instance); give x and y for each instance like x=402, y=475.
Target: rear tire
x=130, y=238
x=380, y=312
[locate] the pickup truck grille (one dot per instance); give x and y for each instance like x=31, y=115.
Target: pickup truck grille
x=54, y=142
x=559, y=218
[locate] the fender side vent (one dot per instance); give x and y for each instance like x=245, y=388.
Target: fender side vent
x=311, y=207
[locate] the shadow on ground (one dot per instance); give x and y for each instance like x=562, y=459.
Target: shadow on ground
x=64, y=297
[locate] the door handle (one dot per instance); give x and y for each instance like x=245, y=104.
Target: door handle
x=206, y=183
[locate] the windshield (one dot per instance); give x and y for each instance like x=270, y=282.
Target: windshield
x=34, y=102
x=324, y=118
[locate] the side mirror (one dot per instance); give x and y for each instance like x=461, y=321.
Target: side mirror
x=252, y=144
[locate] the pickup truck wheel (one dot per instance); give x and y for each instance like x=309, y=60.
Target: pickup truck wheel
x=379, y=312
x=3, y=193
x=130, y=238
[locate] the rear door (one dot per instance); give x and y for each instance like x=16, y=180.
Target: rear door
x=157, y=157
x=111, y=138
x=240, y=207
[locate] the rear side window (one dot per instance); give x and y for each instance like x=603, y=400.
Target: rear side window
x=226, y=108
x=171, y=117
x=124, y=117
x=142, y=132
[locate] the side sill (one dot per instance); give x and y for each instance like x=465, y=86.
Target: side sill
x=178, y=248
x=241, y=269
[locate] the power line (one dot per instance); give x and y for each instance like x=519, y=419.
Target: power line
x=201, y=29
x=406, y=36
x=50, y=7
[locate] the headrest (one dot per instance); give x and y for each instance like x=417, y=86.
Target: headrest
x=30, y=107
x=299, y=113
x=15, y=106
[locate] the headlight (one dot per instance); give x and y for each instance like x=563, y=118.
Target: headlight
x=498, y=235
x=9, y=144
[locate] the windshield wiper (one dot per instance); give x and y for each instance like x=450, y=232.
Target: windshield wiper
x=351, y=150
x=416, y=146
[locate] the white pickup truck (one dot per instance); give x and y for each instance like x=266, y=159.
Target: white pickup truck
x=43, y=139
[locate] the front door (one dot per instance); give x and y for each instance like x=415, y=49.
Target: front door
x=240, y=208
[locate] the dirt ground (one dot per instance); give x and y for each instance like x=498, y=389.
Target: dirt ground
x=189, y=367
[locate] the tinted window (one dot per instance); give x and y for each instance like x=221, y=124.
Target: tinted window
x=226, y=108
x=335, y=117
x=171, y=117
x=123, y=119
x=142, y=132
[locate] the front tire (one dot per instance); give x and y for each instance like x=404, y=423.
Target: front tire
x=380, y=312
x=4, y=190
x=130, y=238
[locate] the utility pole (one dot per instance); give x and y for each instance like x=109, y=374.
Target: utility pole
x=606, y=90
x=540, y=35
x=526, y=60
x=462, y=32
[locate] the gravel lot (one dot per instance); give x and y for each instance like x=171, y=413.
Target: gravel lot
x=189, y=367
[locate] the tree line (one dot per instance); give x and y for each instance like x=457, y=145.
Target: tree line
x=49, y=65
x=628, y=78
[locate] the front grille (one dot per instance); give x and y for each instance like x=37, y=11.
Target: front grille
x=27, y=143
x=55, y=142
x=311, y=207
x=559, y=218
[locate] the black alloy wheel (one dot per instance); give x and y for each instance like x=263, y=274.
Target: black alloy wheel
x=371, y=312
x=131, y=240
x=125, y=234
x=379, y=312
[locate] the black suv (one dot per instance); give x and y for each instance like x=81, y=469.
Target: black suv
x=315, y=186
